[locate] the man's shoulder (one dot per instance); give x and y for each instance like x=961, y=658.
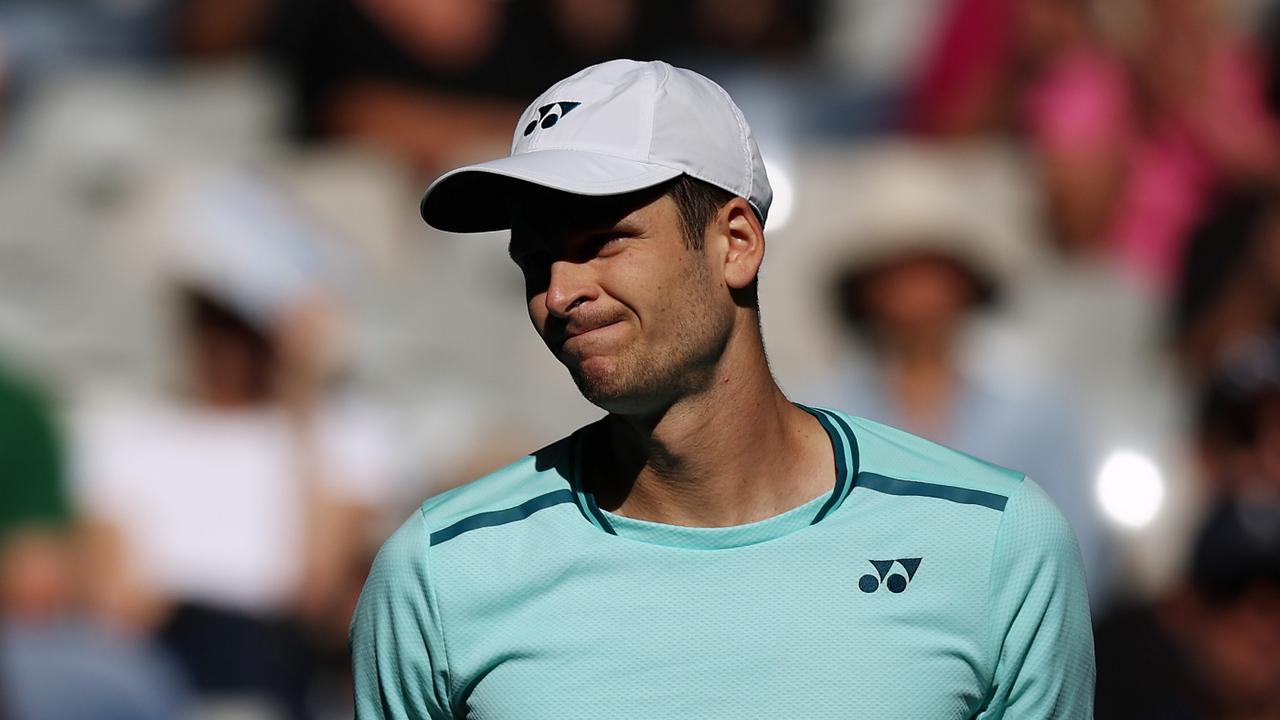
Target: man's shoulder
x=536, y=480
x=898, y=462
x=894, y=462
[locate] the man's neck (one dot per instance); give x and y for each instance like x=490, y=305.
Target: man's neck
x=735, y=453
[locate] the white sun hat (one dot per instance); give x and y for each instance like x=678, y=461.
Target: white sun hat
x=899, y=198
x=612, y=128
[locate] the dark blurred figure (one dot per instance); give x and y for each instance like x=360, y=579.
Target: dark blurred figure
x=1240, y=422
x=56, y=664
x=417, y=80
x=212, y=29
x=1138, y=111
x=1229, y=292
x=439, y=82
x=749, y=30
x=1207, y=649
x=435, y=81
x=919, y=270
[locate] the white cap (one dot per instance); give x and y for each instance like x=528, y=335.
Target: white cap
x=234, y=236
x=612, y=128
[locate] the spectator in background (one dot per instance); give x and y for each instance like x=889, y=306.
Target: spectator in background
x=920, y=264
x=434, y=82
x=1240, y=422
x=1207, y=649
x=230, y=519
x=438, y=82
x=1229, y=293
x=747, y=30
x=1137, y=122
x=414, y=79
x=54, y=663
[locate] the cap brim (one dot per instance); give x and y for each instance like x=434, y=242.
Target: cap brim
x=475, y=198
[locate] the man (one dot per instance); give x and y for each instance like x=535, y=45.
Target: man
x=707, y=549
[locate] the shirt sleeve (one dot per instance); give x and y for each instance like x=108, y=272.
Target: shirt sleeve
x=1040, y=634
x=397, y=643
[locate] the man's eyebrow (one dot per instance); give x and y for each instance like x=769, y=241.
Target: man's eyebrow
x=624, y=226
x=523, y=234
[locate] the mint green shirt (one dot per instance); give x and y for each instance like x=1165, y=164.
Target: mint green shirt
x=928, y=584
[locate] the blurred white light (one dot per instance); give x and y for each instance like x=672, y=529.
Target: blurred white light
x=783, y=195
x=1130, y=488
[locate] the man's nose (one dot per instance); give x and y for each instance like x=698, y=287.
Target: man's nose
x=570, y=285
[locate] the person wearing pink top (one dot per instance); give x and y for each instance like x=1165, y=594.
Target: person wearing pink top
x=1135, y=131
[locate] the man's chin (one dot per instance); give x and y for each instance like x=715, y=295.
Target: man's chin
x=600, y=391
x=610, y=392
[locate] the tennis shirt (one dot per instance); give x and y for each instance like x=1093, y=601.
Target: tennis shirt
x=927, y=584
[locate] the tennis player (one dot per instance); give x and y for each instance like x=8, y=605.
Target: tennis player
x=707, y=549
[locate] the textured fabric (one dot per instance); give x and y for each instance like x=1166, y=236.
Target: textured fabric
x=939, y=587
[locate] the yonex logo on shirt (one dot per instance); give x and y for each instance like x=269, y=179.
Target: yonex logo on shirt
x=896, y=582
x=549, y=115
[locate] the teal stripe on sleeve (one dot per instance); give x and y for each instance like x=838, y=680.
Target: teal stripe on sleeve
x=502, y=517
x=894, y=486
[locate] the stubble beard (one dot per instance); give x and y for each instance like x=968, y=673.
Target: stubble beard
x=642, y=378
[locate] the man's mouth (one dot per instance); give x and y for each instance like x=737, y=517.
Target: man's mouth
x=575, y=335
x=582, y=331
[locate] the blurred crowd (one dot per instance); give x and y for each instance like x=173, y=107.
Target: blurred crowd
x=232, y=358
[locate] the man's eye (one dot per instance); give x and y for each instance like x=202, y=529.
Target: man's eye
x=607, y=240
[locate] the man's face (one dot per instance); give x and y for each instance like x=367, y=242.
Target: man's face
x=638, y=317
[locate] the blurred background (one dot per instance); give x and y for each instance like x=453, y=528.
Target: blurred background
x=233, y=359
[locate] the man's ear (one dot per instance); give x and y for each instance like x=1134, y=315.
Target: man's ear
x=745, y=243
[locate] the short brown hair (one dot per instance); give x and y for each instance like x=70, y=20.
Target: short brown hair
x=697, y=201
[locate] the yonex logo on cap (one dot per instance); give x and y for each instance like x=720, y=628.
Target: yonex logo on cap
x=549, y=115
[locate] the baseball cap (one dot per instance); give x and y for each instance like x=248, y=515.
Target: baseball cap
x=234, y=237
x=613, y=128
